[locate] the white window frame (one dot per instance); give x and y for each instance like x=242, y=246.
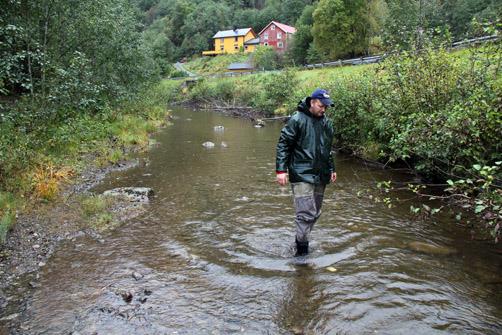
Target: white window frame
x=280, y=45
x=222, y=40
x=265, y=43
x=279, y=35
x=265, y=36
x=272, y=27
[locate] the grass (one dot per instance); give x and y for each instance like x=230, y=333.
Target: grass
x=96, y=211
x=217, y=64
x=36, y=167
x=7, y=213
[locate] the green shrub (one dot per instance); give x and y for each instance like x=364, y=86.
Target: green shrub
x=439, y=112
x=7, y=213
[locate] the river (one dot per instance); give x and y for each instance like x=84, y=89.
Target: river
x=214, y=253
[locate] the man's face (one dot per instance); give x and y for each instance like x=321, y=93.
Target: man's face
x=317, y=108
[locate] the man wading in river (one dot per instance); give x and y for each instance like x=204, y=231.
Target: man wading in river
x=304, y=155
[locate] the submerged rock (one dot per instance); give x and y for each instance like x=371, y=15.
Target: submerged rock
x=259, y=123
x=208, y=144
x=430, y=248
x=219, y=128
x=133, y=194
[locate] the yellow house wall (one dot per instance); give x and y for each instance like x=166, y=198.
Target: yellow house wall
x=250, y=48
x=229, y=44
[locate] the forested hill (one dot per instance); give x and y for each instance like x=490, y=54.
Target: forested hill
x=326, y=28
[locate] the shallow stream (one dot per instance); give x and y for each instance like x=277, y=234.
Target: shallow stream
x=214, y=253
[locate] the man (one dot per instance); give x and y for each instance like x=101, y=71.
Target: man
x=304, y=155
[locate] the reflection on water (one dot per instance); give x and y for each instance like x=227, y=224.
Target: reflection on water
x=215, y=252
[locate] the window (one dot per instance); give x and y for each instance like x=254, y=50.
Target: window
x=222, y=40
x=265, y=36
x=266, y=43
x=236, y=47
x=245, y=47
x=279, y=36
x=236, y=38
x=279, y=45
x=222, y=48
x=272, y=27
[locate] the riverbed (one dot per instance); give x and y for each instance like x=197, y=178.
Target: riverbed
x=213, y=254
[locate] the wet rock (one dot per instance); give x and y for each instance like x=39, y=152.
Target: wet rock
x=147, y=292
x=127, y=296
x=430, y=248
x=219, y=128
x=259, y=123
x=133, y=194
x=137, y=275
x=10, y=317
x=34, y=284
x=143, y=300
x=208, y=144
x=36, y=246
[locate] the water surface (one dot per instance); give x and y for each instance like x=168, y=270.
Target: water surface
x=215, y=250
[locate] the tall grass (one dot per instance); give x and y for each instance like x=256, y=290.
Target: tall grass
x=34, y=163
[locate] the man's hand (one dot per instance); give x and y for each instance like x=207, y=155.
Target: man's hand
x=333, y=177
x=282, y=178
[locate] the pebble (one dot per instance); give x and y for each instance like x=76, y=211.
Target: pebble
x=331, y=269
x=10, y=317
x=41, y=264
x=127, y=296
x=137, y=275
x=36, y=246
x=297, y=330
x=34, y=284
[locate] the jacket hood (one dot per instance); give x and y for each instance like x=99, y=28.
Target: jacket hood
x=303, y=107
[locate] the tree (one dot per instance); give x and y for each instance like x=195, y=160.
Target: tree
x=303, y=38
x=200, y=26
x=340, y=28
x=266, y=58
x=291, y=10
x=73, y=54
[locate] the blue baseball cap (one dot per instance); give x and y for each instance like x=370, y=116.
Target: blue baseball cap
x=323, y=96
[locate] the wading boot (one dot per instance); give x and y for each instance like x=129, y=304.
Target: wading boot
x=302, y=248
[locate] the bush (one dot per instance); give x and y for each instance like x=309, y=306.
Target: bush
x=438, y=111
x=266, y=58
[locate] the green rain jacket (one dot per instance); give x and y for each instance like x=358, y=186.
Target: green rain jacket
x=304, y=147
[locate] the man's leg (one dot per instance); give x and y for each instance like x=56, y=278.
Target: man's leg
x=318, y=198
x=306, y=214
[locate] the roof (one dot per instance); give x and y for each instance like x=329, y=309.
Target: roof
x=253, y=41
x=284, y=27
x=232, y=33
x=240, y=66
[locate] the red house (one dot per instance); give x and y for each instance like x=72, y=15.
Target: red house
x=277, y=35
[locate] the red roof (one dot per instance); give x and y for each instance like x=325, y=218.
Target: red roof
x=282, y=26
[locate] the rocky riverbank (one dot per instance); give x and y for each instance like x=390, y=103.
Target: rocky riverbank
x=39, y=231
